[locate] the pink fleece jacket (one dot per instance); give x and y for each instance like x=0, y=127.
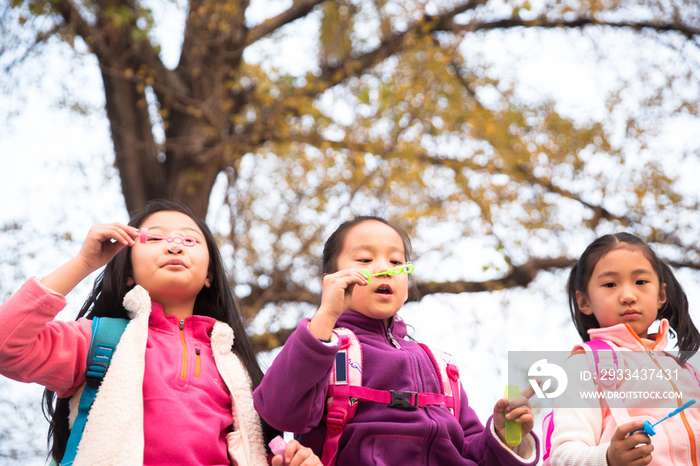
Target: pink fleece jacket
x=187, y=406
x=582, y=435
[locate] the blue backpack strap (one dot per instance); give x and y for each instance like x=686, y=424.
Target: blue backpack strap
x=106, y=333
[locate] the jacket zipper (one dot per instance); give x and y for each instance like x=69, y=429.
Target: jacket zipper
x=183, y=372
x=391, y=339
x=689, y=431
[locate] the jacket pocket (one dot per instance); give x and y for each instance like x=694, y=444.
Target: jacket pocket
x=390, y=450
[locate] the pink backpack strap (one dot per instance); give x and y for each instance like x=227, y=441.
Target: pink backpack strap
x=346, y=373
x=693, y=371
x=605, y=359
x=446, y=366
x=547, y=429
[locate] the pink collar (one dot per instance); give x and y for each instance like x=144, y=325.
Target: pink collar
x=623, y=336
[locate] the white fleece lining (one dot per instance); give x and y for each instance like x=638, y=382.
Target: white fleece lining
x=113, y=434
x=245, y=418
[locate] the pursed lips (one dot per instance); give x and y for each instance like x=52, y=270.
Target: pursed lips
x=175, y=263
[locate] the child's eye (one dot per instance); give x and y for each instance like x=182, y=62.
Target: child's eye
x=609, y=285
x=397, y=262
x=642, y=282
x=154, y=239
x=364, y=261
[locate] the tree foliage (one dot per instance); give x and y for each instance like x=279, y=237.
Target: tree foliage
x=396, y=115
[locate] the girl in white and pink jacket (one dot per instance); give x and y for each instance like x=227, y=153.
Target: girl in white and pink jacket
x=617, y=290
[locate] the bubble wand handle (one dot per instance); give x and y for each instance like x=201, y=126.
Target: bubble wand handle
x=514, y=432
x=398, y=270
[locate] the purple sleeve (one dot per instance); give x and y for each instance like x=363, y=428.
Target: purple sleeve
x=481, y=445
x=292, y=394
x=35, y=348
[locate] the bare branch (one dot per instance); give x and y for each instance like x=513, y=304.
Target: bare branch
x=519, y=276
x=355, y=66
x=543, y=22
x=296, y=11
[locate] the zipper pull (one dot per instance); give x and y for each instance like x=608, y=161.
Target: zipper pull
x=182, y=324
x=651, y=355
x=392, y=339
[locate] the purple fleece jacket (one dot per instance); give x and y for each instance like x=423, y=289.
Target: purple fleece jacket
x=292, y=397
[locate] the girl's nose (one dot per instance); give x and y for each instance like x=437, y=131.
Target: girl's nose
x=174, y=249
x=627, y=296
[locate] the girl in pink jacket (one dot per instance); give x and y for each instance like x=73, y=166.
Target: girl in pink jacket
x=178, y=390
x=617, y=290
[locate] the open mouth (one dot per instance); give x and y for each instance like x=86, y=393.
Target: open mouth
x=383, y=289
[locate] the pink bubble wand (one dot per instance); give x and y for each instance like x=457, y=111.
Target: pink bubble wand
x=183, y=240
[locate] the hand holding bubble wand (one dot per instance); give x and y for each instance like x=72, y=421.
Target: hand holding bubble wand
x=183, y=240
x=398, y=270
x=514, y=431
x=649, y=427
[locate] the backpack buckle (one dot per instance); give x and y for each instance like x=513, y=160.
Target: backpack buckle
x=403, y=400
x=336, y=419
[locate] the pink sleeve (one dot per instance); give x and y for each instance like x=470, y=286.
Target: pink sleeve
x=36, y=348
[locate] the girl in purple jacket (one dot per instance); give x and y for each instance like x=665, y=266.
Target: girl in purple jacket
x=178, y=390
x=293, y=395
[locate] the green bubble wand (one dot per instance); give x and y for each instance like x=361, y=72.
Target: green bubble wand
x=398, y=270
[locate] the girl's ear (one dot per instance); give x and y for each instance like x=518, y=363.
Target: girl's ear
x=662, y=295
x=584, y=304
x=130, y=281
x=207, y=281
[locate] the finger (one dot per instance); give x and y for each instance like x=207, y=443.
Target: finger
x=517, y=413
x=518, y=403
x=117, y=232
x=622, y=431
x=500, y=405
x=291, y=451
x=277, y=460
x=122, y=235
x=312, y=461
x=300, y=456
x=529, y=392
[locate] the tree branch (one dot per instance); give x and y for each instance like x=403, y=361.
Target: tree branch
x=297, y=10
x=333, y=75
x=544, y=22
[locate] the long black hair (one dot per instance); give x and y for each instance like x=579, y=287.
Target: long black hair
x=105, y=300
x=334, y=245
x=675, y=309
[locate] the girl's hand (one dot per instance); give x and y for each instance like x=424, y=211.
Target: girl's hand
x=337, y=290
x=518, y=410
x=103, y=242
x=625, y=449
x=97, y=249
x=336, y=297
x=296, y=455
